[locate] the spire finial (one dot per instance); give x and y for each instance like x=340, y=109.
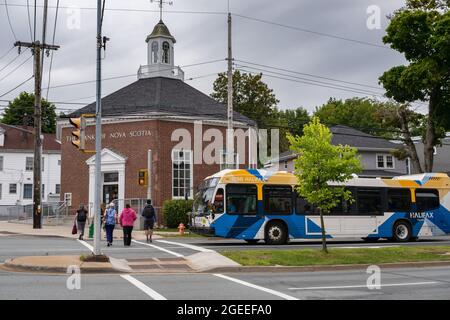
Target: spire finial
x=161, y=4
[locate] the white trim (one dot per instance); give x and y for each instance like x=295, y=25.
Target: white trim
x=191, y=163
x=384, y=155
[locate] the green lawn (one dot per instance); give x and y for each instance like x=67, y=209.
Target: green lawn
x=309, y=257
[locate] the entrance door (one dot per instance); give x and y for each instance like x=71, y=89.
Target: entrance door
x=110, y=193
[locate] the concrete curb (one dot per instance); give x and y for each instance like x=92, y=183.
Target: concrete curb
x=10, y=265
x=268, y=269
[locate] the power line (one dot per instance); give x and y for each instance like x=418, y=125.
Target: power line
x=9, y=21
x=12, y=61
x=29, y=20
x=6, y=53
x=53, y=43
x=312, y=31
x=21, y=84
x=7, y=75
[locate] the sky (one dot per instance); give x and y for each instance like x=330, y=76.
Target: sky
x=305, y=37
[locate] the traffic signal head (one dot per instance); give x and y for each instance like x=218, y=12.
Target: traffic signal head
x=79, y=134
x=143, y=178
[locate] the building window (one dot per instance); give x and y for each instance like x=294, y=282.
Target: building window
x=155, y=52
x=1, y=163
x=28, y=191
x=13, y=188
x=224, y=163
x=59, y=162
x=182, y=183
x=1, y=191
x=42, y=165
x=166, y=52
x=29, y=164
x=285, y=165
x=385, y=161
x=58, y=189
x=43, y=191
x=241, y=199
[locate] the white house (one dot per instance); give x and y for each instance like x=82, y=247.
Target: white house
x=16, y=166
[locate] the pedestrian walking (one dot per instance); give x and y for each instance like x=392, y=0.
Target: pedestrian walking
x=126, y=219
x=148, y=213
x=110, y=221
x=80, y=218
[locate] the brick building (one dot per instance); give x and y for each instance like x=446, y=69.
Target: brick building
x=153, y=124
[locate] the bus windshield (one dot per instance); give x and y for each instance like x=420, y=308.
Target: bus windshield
x=204, y=197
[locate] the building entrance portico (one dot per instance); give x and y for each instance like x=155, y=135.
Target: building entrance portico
x=112, y=180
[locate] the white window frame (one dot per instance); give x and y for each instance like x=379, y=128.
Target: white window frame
x=191, y=162
x=13, y=184
x=28, y=184
x=224, y=158
x=56, y=188
x=385, y=161
x=26, y=167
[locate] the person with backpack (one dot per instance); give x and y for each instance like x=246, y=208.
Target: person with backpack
x=126, y=219
x=110, y=220
x=148, y=213
x=80, y=218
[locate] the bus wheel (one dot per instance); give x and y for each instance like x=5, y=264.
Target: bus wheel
x=276, y=233
x=402, y=231
x=252, y=241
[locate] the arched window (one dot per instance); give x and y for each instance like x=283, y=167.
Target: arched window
x=155, y=52
x=166, y=52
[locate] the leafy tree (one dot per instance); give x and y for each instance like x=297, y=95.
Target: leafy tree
x=295, y=120
x=421, y=31
x=319, y=162
x=251, y=97
x=21, y=111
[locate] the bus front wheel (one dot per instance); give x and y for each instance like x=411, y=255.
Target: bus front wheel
x=276, y=233
x=402, y=231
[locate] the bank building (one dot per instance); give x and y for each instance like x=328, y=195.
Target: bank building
x=139, y=124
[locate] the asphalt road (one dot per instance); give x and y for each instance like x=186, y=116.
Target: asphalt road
x=411, y=284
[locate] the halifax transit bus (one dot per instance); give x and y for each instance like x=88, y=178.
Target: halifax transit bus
x=255, y=205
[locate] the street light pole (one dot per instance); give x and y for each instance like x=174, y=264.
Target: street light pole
x=98, y=134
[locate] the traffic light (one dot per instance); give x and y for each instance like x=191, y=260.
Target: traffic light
x=79, y=134
x=143, y=178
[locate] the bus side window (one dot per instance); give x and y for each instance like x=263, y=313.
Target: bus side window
x=277, y=199
x=427, y=199
x=219, y=201
x=303, y=207
x=241, y=199
x=369, y=201
x=399, y=200
x=344, y=207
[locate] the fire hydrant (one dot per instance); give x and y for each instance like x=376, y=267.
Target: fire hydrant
x=181, y=228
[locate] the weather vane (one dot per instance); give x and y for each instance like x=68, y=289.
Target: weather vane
x=161, y=4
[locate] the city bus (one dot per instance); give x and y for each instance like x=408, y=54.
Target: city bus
x=254, y=205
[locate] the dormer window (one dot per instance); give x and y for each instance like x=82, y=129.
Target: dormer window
x=166, y=52
x=155, y=52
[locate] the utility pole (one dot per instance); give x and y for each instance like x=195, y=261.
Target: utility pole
x=230, y=131
x=98, y=133
x=37, y=47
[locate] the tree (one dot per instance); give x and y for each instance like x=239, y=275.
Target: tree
x=251, y=97
x=421, y=31
x=21, y=111
x=319, y=162
x=295, y=120
x=358, y=113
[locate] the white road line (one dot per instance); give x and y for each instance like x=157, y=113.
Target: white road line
x=189, y=246
x=159, y=248
x=87, y=245
x=365, y=247
x=150, y=292
x=254, y=286
x=365, y=286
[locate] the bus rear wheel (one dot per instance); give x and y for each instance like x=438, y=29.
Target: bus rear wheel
x=276, y=233
x=402, y=231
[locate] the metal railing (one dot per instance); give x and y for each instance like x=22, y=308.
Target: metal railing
x=53, y=213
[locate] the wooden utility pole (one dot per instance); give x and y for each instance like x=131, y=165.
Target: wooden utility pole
x=37, y=47
x=230, y=132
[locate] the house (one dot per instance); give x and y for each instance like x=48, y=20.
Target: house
x=158, y=123
x=16, y=166
x=375, y=152
x=441, y=162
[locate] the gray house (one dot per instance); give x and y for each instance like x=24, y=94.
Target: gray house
x=376, y=157
x=441, y=155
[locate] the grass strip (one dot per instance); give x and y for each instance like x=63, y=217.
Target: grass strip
x=336, y=256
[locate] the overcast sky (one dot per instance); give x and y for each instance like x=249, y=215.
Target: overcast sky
x=202, y=37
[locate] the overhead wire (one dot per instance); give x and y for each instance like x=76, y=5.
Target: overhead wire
x=51, y=57
x=9, y=20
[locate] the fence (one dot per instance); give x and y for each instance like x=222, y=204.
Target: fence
x=54, y=213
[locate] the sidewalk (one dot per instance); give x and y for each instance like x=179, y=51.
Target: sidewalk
x=65, y=231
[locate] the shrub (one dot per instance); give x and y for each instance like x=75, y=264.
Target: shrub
x=175, y=212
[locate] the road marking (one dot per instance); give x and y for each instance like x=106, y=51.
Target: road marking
x=365, y=286
x=159, y=248
x=87, y=245
x=254, y=286
x=149, y=291
x=189, y=246
x=365, y=247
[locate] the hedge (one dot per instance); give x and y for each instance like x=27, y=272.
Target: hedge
x=175, y=212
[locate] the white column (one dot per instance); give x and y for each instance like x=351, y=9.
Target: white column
x=121, y=194
x=91, y=190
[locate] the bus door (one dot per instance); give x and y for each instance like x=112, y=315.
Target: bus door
x=362, y=218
